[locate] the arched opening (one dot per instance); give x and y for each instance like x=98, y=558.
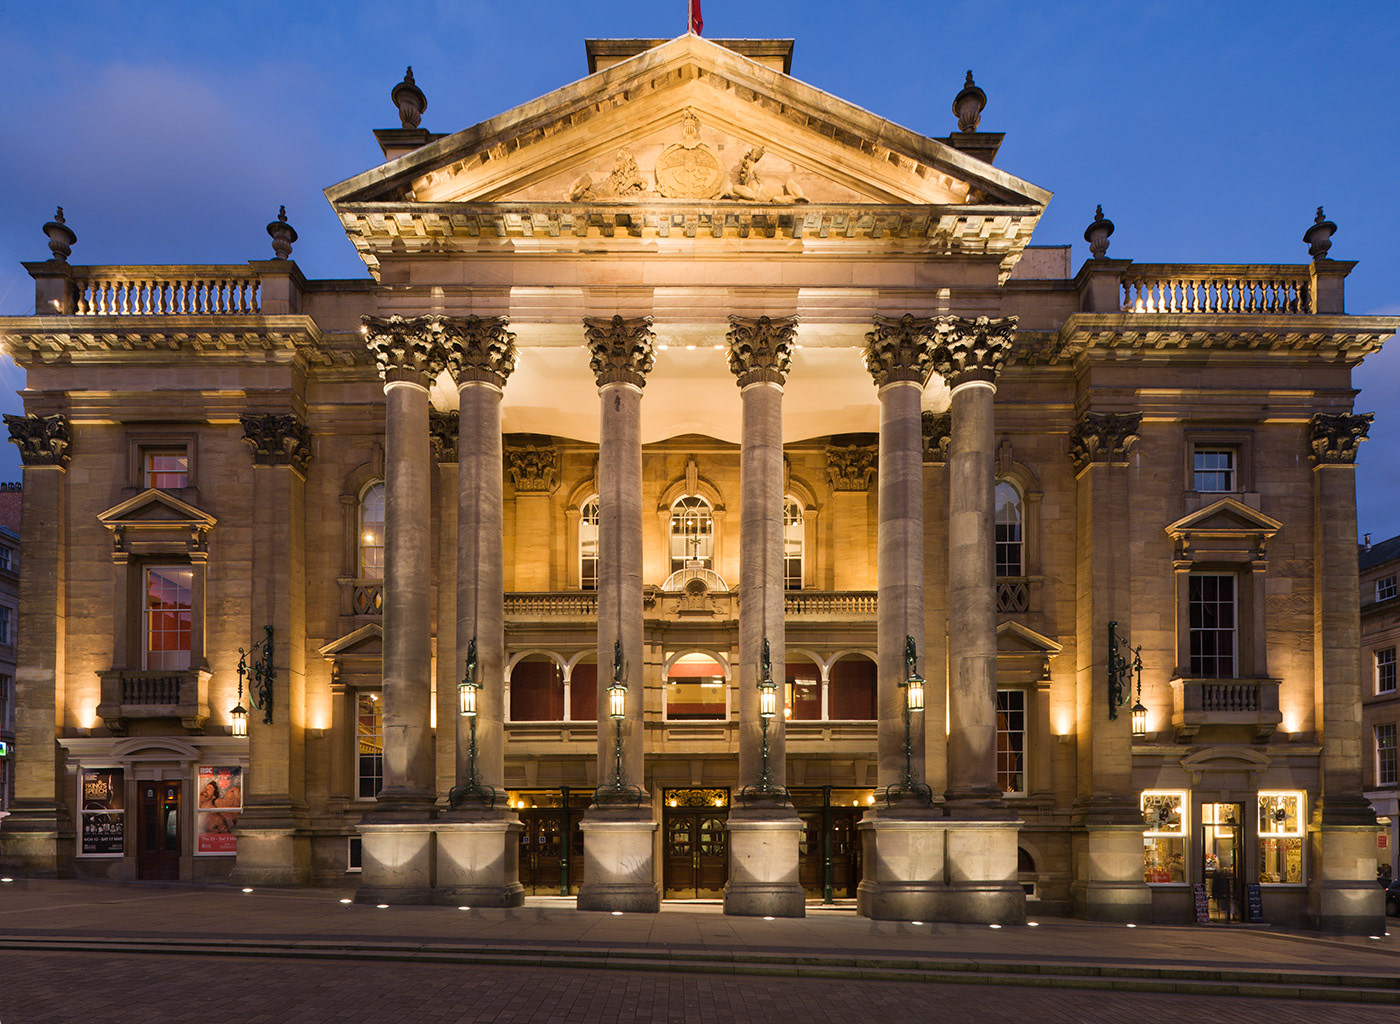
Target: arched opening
x=803, y=690
x=588, y=544
x=695, y=689
x=692, y=533
x=371, y=535
x=537, y=690
x=853, y=689
x=1010, y=535
x=583, y=690
x=794, y=542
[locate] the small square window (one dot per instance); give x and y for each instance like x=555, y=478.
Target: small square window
x=165, y=468
x=1216, y=469
x=1385, y=588
x=1385, y=670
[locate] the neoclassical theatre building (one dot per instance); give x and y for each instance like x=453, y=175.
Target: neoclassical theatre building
x=708, y=493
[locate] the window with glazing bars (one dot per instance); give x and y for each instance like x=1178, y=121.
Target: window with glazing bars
x=1213, y=629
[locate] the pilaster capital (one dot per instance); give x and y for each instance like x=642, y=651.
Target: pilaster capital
x=442, y=434
x=277, y=439
x=479, y=348
x=1332, y=438
x=851, y=467
x=41, y=440
x=620, y=350
x=900, y=349
x=973, y=349
x=1104, y=437
x=405, y=348
x=760, y=349
x=533, y=470
x=937, y=431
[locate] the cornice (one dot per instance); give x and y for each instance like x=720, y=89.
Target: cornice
x=42, y=339
x=1146, y=334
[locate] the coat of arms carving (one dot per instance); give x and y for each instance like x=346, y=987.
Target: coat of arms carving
x=689, y=169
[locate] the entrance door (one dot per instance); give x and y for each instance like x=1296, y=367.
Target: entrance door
x=1222, y=847
x=541, y=847
x=695, y=862
x=844, y=851
x=158, y=831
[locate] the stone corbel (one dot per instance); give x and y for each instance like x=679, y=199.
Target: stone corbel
x=533, y=469
x=277, y=440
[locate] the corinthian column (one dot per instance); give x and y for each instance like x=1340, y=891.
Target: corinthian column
x=764, y=831
x=618, y=828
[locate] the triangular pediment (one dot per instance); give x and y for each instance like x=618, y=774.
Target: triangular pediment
x=677, y=123
x=1014, y=638
x=365, y=642
x=155, y=508
x=1225, y=518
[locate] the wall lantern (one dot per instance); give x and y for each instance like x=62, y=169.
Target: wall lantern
x=766, y=789
x=619, y=791
x=909, y=787
x=1120, y=674
x=467, y=691
x=260, y=674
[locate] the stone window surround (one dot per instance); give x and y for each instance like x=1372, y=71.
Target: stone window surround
x=1387, y=769
x=1386, y=588
x=1239, y=441
x=1384, y=661
x=141, y=442
x=1250, y=641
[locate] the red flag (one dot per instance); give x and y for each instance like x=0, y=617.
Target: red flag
x=696, y=22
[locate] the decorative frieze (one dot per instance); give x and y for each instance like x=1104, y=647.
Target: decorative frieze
x=851, y=467
x=41, y=440
x=937, y=431
x=620, y=350
x=533, y=470
x=442, y=434
x=1103, y=437
x=479, y=348
x=277, y=439
x=1333, y=439
x=760, y=350
x=405, y=348
x=973, y=349
x=900, y=349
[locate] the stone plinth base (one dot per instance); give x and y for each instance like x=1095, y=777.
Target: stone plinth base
x=981, y=872
x=904, y=876
x=272, y=857
x=1108, y=883
x=29, y=843
x=396, y=859
x=763, y=859
x=478, y=862
x=618, y=862
x=1343, y=895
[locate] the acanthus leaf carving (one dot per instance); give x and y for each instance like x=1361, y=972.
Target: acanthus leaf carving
x=972, y=349
x=478, y=348
x=41, y=440
x=937, y=431
x=760, y=349
x=620, y=350
x=405, y=348
x=442, y=434
x=533, y=469
x=1105, y=437
x=900, y=349
x=1333, y=439
x=277, y=439
x=851, y=467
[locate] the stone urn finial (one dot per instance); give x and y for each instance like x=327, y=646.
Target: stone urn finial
x=283, y=234
x=61, y=237
x=410, y=101
x=968, y=106
x=1318, y=237
x=1096, y=234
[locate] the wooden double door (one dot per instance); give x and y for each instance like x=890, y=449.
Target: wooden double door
x=837, y=843
x=158, y=832
x=551, y=851
x=695, y=855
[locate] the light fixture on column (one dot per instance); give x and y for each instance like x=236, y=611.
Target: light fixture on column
x=765, y=788
x=239, y=714
x=260, y=674
x=1138, y=710
x=909, y=787
x=618, y=791
x=1120, y=675
x=471, y=788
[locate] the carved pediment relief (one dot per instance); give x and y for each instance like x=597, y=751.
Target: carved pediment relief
x=154, y=522
x=1227, y=525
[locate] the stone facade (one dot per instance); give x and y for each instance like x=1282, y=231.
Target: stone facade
x=1380, y=692
x=513, y=471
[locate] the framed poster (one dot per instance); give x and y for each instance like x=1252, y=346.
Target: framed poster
x=102, y=810
x=219, y=802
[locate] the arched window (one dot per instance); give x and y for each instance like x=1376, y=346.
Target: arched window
x=537, y=690
x=793, y=543
x=1009, y=532
x=692, y=533
x=372, y=533
x=588, y=544
x=695, y=689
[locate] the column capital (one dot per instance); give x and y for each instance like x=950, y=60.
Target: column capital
x=479, y=348
x=277, y=439
x=937, y=431
x=760, y=348
x=620, y=350
x=973, y=349
x=1103, y=437
x=1332, y=438
x=900, y=349
x=405, y=348
x=533, y=470
x=41, y=440
x=851, y=467
x=442, y=434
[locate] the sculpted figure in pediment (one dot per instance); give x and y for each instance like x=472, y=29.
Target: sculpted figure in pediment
x=749, y=183
x=689, y=169
x=625, y=182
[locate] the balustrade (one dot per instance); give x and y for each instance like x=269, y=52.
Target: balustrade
x=830, y=602
x=1185, y=289
x=183, y=291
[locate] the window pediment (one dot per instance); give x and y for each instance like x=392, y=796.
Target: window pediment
x=157, y=523
x=1023, y=646
x=1226, y=529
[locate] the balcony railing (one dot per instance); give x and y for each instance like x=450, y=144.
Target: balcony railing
x=830, y=602
x=1197, y=703
x=575, y=604
x=1165, y=288
x=128, y=694
x=165, y=291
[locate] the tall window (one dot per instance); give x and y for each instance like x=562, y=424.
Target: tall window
x=372, y=533
x=1386, y=773
x=1213, y=626
x=803, y=696
x=168, y=613
x=1385, y=670
x=369, y=743
x=1385, y=588
x=1214, y=469
x=7, y=558
x=588, y=545
x=1011, y=741
x=1009, y=536
x=166, y=468
x=692, y=533
x=793, y=543
x=7, y=684
x=5, y=622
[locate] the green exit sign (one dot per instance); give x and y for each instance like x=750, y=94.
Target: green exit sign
x=4, y=749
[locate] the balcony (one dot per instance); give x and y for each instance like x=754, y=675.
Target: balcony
x=1167, y=288
x=128, y=695
x=1197, y=703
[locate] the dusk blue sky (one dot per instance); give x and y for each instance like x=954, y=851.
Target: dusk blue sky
x=1209, y=131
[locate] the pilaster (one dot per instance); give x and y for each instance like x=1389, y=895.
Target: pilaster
x=851, y=470
x=534, y=475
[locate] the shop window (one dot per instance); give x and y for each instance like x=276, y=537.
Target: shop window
x=692, y=534
x=1011, y=741
x=372, y=533
x=1386, y=774
x=1281, y=834
x=1385, y=670
x=852, y=697
x=1213, y=625
x=803, y=700
x=1385, y=588
x=588, y=545
x=1010, y=552
x=696, y=690
x=794, y=542
x=583, y=692
x=537, y=690
x=167, y=612
x=1163, y=836
x=369, y=745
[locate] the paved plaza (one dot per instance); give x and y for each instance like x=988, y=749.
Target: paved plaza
x=107, y=952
